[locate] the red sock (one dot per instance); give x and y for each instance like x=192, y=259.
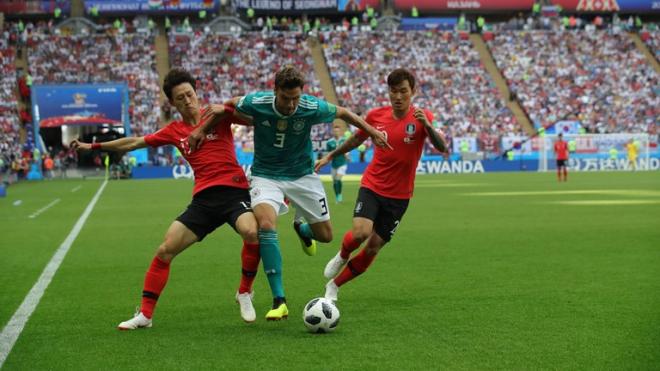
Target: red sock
x=355, y=267
x=154, y=282
x=348, y=245
x=249, y=264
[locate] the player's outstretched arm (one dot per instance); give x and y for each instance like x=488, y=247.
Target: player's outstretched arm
x=117, y=145
x=351, y=143
x=379, y=138
x=211, y=116
x=437, y=139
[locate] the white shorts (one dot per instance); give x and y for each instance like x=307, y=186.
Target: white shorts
x=341, y=171
x=306, y=194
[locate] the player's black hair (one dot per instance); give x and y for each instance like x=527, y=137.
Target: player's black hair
x=400, y=75
x=175, y=77
x=289, y=77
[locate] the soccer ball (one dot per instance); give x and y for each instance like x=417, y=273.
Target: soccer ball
x=320, y=315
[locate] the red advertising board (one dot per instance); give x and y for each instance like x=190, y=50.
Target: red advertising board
x=449, y=5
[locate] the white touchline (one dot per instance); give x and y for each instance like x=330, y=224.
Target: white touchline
x=15, y=326
x=36, y=213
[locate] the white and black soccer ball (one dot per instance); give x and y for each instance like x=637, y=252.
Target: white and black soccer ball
x=320, y=315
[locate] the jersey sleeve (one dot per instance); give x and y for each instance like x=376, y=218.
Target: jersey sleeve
x=160, y=138
x=245, y=105
x=326, y=112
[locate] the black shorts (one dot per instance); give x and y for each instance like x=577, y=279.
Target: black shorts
x=561, y=163
x=213, y=207
x=385, y=212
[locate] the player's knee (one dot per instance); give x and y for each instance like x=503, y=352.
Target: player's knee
x=251, y=235
x=324, y=235
x=267, y=224
x=168, y=249
x=360, y=233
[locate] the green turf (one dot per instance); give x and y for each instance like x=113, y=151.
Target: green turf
x=473, y=279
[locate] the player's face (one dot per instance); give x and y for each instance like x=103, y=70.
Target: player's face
x=400, y=96
x=336, y=131
x=185, y=99
x=286, y=100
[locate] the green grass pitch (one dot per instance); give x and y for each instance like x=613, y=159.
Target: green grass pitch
x=487, y=271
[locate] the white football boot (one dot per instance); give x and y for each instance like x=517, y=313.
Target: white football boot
x=334, y=266
x=331, y=291
x=139, y=321
x=244, y=301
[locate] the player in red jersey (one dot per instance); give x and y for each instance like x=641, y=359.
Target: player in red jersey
x=220, y=194
x=388, y=182
x=561, y=152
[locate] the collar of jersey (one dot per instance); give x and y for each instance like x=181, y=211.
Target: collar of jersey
x=281, y=115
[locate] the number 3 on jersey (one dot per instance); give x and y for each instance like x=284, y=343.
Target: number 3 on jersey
x=279, y=140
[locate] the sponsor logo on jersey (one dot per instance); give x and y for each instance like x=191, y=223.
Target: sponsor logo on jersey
x=265, y=123
x=211, y=136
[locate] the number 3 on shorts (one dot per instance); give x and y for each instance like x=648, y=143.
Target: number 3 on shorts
x=324, y=206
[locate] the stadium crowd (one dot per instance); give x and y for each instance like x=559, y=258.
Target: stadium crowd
x=100, y=59
x=228, y=66
x=453, y=83
x=10, y=149
x=598, y=77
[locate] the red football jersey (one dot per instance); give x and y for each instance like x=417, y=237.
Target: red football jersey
x=391, y=173
x=561, y=150
x=214, y=163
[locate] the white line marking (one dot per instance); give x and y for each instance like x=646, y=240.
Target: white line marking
x=15, y=326
x=76, y=189
x=36, y=213
x=614, y=192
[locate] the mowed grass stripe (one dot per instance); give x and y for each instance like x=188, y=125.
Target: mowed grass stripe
x=14, y=327
x=466, y=283
x=28, y=244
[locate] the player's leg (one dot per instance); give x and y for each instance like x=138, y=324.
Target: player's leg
x=267, y=203
x=178, y=238
x=243, y=221
x=335, y=183
x=559, y=170
x=366, y=209
x=352, y=240
x=308, y=196
x=356, y=266
x=341, y=171
x=385, y=224
x=565, y=171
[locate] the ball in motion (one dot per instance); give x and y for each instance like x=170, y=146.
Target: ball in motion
x=320, y=315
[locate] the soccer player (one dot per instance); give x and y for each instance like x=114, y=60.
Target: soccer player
x=561, y=152
x=631, y=149
x=388, y=182
x=338, y=163
x=283, y=167
x=220, y=194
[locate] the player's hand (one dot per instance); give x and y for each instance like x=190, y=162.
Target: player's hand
x=196, y=138
x=212, y=112
x=380, y=139
x=80, y=146
x=321, y=163
x=421, y=117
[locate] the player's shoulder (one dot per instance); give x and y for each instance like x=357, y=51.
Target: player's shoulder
x=260, y=98
x=309, y=102
x=380, y=113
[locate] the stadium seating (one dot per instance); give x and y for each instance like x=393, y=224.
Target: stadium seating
x=228, y=66
x=596, y=77
x=99, y=59
x=9, y=119
x=452, y=81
